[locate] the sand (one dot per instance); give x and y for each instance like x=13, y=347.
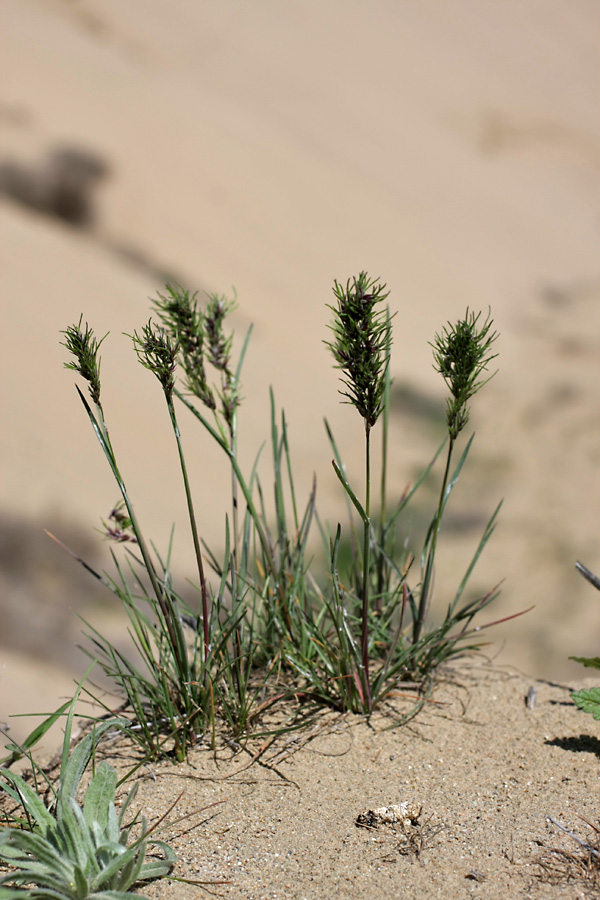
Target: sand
x=481, y=771
x=453, y=150
x=486, y=770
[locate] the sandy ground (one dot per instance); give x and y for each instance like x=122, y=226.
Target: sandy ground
x=452, y=149
x=485, y=770
x=481, y=773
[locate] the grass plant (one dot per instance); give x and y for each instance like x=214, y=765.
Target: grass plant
x=461, y=354
x=268, y=626
x=361, y=348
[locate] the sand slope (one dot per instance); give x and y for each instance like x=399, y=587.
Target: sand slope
x=454, y=149
x=481, y=771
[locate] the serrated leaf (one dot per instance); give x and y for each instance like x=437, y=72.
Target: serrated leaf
x=592, y=662
x=588, y=701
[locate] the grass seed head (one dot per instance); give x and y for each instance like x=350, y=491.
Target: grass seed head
x=157, y=352
x=182, y=317
x=362, y=343
x=461, y=354
x=84, y=347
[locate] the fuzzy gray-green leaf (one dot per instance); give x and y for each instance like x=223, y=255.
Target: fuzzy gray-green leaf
x=80, y=757
x=99, y=795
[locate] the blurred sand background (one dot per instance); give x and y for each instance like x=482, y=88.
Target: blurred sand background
x=452, y=148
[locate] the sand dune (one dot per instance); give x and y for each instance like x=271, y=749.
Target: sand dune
x=452, y=149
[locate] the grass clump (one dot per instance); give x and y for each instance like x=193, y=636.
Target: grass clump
x=267, y=627
x=560, y=866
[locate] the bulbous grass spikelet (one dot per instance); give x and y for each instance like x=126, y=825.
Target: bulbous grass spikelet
x=182, y=317
x=219, y=344
x=158, y=353
x=361, y=344
x=461, y=354
x=84, y=347
x=219, y=352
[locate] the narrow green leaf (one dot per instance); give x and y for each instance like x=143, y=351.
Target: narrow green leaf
x=405, y=500
x=112, y=823
x=19, y=750
x=104, y=442
x=338, y=459
x=81, y=883
x=457, y=471
x=130, y=872
x=126, y=803
x=357, y=504
x=159, y=868
x=16, y=894
x=75, y=835
x=240, y=364
x=488, y=531
x=108, y=895
x=69, y=725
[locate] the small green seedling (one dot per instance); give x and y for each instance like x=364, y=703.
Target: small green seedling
x=588, y=700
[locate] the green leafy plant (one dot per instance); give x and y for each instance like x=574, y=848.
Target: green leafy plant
x=588, y=699
x=69, y=852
